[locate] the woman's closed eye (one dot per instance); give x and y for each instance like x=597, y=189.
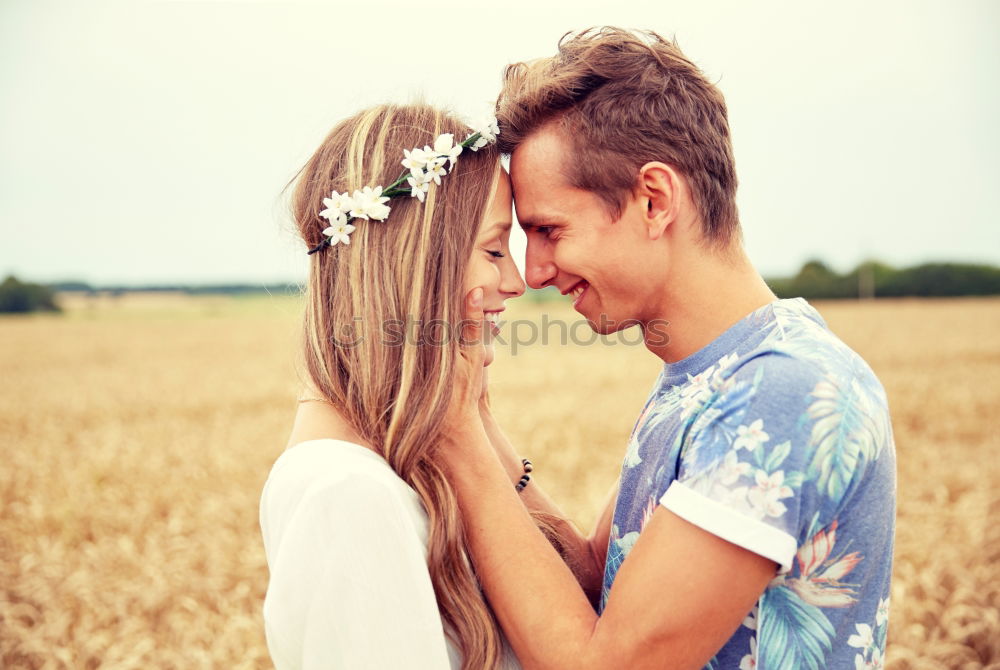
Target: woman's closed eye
x=495, y=254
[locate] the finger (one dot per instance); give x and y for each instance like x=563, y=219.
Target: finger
x=472, y=325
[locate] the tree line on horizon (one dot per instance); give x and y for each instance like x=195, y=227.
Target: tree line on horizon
x=873, y=279
x=815, y=280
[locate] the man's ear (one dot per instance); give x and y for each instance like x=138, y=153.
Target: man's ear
x=659, y=190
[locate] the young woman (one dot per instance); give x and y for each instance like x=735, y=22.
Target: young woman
x=361, y=528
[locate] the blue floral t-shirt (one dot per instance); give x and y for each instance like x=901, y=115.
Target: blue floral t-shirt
x=776, y=437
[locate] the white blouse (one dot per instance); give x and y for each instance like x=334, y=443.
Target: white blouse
x=346, y=545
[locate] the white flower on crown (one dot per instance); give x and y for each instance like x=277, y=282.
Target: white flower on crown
x=425, y=166
x=488, y=131
x=435, y=169
x=337, y=207
x=415, y=160
x=369, y=203
x=428, y=164
x=419, y=183
x=339, y=231
x=445, y=147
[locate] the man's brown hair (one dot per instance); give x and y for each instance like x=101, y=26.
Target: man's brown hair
x=623, y=99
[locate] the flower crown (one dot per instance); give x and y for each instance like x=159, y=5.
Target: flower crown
x=423, y=166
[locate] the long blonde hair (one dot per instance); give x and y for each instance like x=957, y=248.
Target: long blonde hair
x=375, y=310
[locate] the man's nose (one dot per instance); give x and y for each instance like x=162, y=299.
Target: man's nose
x=539, y=270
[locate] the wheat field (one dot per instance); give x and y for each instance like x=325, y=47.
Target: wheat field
x=136, y=433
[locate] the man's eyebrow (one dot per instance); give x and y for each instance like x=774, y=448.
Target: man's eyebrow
x=541, y=220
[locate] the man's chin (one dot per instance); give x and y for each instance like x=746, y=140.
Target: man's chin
x=605, y=325
x=599, y=330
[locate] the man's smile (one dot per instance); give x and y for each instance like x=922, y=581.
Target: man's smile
x=577, y=290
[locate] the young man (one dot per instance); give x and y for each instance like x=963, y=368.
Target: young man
x=756, y=502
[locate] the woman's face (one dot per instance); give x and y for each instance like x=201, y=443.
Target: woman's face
x=491, y=267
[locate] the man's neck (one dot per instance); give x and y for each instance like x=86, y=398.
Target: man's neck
x=704, y=299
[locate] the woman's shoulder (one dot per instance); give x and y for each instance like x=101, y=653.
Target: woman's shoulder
x=328, y=458
x=328, y=478
x=346, y=547
x=328, y=464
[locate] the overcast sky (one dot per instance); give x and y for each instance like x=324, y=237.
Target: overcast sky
x=149, y=141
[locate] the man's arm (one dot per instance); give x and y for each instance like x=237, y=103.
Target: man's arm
x=585, y=556
x=678, y=597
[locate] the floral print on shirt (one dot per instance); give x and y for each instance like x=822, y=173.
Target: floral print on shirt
x=785, y=426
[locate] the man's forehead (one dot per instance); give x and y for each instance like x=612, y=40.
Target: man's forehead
x=539, y=158
x=537, y=179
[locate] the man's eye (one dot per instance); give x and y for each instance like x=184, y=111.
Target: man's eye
x=544, y=230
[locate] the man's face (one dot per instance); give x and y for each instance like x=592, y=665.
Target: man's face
x=573, y=243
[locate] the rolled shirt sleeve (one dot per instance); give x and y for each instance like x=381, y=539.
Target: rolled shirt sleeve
x=743, y=469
